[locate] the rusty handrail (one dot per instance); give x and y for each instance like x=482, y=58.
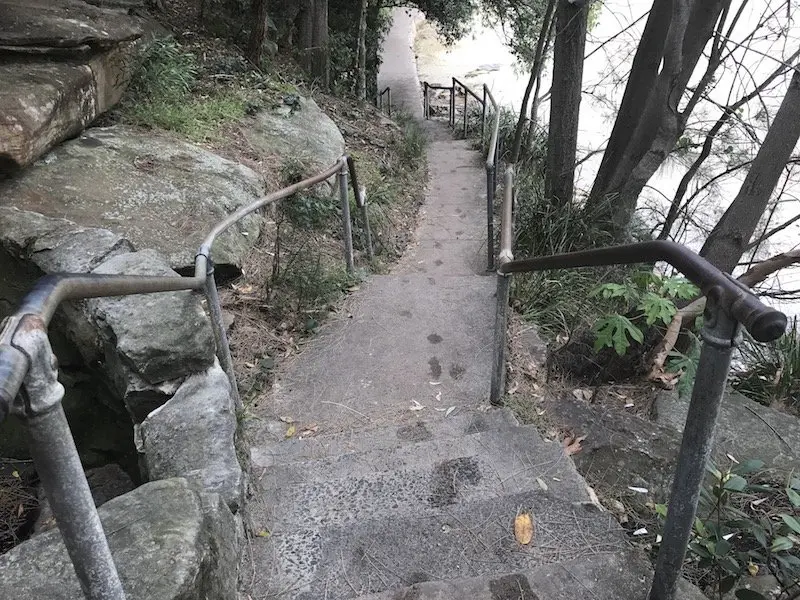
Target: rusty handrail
x=763, y=322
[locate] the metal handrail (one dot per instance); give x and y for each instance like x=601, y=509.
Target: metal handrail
x=27, y=362
x=493, y=147
x=728, y=304
x=387, y=91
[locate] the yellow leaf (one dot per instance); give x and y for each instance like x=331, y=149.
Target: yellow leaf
x=15, y=474
x=263, y=533
x=523, y=528
x=291, y=430
x=752, y=569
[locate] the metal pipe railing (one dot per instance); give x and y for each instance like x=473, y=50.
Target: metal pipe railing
x=729, y=304
x=387, y=91
x=491, y=178
x=29, y=386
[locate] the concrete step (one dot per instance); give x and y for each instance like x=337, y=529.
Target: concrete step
x=385, y=549
x=437, y=427
x=623, y=575
x=418, y=479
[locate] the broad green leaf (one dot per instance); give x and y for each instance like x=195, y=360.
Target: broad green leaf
x=679, y=287
x=735, y=483
x=793, y=523
x=747, y=467
x=722, y=547
x=749, y=595
x=781, y=543
x=613, y=332
x=657, y=308
x=794, y=497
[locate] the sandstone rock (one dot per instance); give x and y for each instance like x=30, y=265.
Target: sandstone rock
x=63, y=24
x=159, y=337
x=157, y=192
x=192, y=436
x=168, y=542
x=301, y=130
x=745, y=429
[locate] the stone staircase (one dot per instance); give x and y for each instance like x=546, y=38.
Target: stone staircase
x=426, y=510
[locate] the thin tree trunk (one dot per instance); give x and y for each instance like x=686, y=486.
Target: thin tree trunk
x=731, y=235
x=361, y=92
x=729, y=111
x=534, y=118
x=373, y=44
x=258, y=33
x=536, y=71
x=659, y=123
x=565, y=101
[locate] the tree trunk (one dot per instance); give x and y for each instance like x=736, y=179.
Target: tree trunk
x=361, y=92
x=565, y=101
x=654, y=128
x=731, y=235
x=313, y=30
x=258, y=34
x=373, y=43
x=536, y=71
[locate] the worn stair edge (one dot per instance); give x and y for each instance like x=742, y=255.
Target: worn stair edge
x=612, y=576
x=420, y=478
x=461, y=540
x=292, y=450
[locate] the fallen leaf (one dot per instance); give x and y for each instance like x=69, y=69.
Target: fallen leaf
x=642, y=531
x=416, y=406
x=523, y=528
x=582, y=394
x=309, y=431
x=291, y=430
x=541, y=483
x=15, y=474
x=438, y=396
x=435, y=382
x=752, y=569
x=629, y=405
x=572, y=445
x=639, y=490
x=263, y=533
x=449, y=411
x=20, y=510
x=513, y=388
x=286, y=419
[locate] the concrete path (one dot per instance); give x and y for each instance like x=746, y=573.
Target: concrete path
x=409, y=475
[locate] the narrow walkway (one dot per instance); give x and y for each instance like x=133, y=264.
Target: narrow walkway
x=409, y=476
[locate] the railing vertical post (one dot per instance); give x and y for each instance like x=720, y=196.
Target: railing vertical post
x=720, y=334
x=453, y=104
x=220, y=335
x=347, y=229
x=425, y=112
x=59, y=466
x=483, y=115
x=498, y=386
x=490, y=190
x=466, y=96
x=389, y=100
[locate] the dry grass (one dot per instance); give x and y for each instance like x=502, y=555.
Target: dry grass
x=17, y=503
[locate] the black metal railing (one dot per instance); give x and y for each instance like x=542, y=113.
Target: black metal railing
x=728, y=304
x=487, y=102
x=29, y=386
x=387, y=92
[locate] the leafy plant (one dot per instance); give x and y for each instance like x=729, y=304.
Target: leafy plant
x=745, y=527
x=647, y=297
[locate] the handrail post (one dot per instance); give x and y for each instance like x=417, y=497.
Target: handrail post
x=490, y=191
x=466, y=96
x=347, y=228
x=453, y=104
x=483, y=115
x=389, y=100
x=498, y=385
x=425, y=111
x=720, y=335
x=57, y=462
x=220, y=335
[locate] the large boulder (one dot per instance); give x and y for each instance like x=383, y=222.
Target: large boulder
x=62, y=63
x=298, y=129
x=201, y=417
x=63, y=24
x=155, y=191
x=745, y=429
x=168, y=542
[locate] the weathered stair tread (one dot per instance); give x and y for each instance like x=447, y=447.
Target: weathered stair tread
x=419, y=479
x=460, y=540
x=439, y=427
x=403, y=338
x=611, y=576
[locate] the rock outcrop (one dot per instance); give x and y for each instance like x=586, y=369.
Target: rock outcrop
x=299, y=129
x=62, y=63
x=168, y=541
x=157, y=192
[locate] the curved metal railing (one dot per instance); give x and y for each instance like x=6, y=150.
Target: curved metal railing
x=729, y=304
x=30, y=390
